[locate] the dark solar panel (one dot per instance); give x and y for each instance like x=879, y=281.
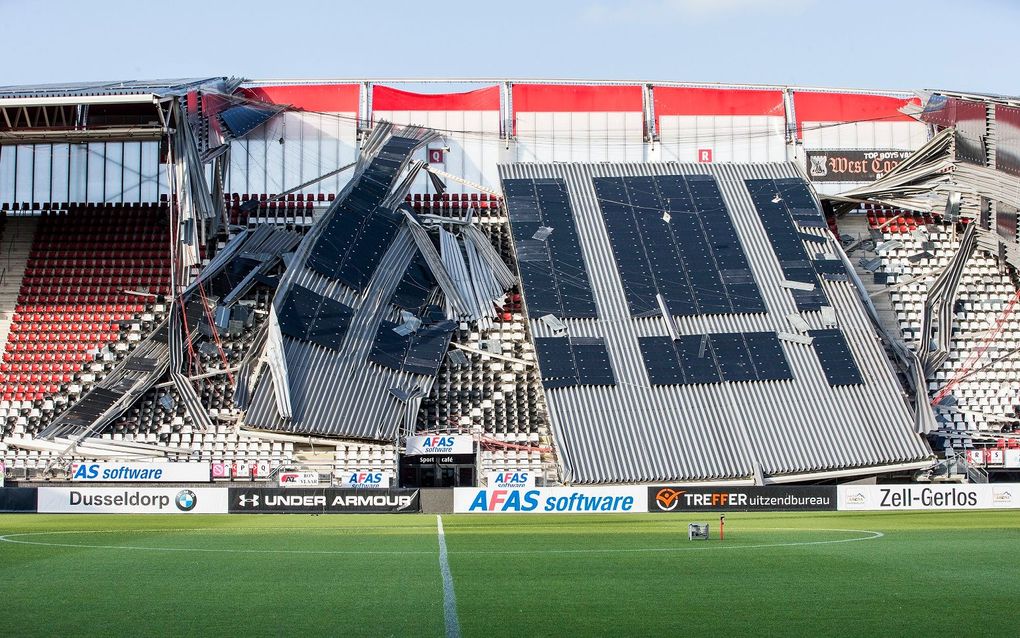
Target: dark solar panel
x=309, y=316
x=777, y=203
x=661, y=362
x=835, y=357
x=566, y=362
x=244, y=118
x=698, y=359
x=359, y=232
x=767, y=356
x=428, y=346
x=672, y=236
x=415, y=286
x=553, y=271
x=592, y=361
x=419, y=352
x=733, y=356
x=556, y=361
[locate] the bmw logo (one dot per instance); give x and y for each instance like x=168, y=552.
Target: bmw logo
x=186, y=500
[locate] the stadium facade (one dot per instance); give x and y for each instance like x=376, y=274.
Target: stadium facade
x=594, y=282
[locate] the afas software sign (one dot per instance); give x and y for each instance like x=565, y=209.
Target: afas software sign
x=127, y=500
x=929, y=497
x=141, y=472
x=438, y=444
x=549, y=500
x=510, y=480
x=769, y=498
x=356, y=480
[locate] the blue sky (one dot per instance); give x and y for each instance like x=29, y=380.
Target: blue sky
x=962, y=45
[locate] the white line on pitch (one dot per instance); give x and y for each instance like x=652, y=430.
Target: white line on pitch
x=449, y=597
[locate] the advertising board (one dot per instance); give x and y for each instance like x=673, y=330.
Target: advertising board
x=437, y=444
x=768, y=498
x=510, y=480
x=298, y=479
x=358, y=480
x=851, y=165
x=551, y=500
x=140, y=472
x=928, y=497
x=297, y=500
x=132, y=500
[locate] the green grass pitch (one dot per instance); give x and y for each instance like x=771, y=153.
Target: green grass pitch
x=838, y=574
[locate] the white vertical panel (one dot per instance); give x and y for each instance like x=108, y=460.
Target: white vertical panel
x=558, y=135
x=150, y=169
x=257, y=179
x=132, y=161
x=96, y=167
x=275, y=157
x=311, y=149
x=60, y=160
x=114, y=172
x=634, y=135
x=77, y=187
x=7, y=173
x=163, y=180
x=43, y=156
x=25, y=177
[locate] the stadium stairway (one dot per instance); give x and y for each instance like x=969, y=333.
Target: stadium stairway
x=857, y=226
x=16, y=245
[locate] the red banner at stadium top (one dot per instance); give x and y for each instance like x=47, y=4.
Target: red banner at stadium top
x=688, y=101
x=329, y=98
x=386, y=98
x=815, y=107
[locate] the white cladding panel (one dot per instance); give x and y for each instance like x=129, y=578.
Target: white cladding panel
x=741, y=138
x=98, y=172
x=580, y=137
x=864, y=135
x=293, y=148
x=473, y=140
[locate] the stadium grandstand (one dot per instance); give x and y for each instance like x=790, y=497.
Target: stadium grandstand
x=595, y=282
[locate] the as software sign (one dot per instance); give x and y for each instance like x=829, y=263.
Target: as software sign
x=438, y=444
x=141, y=472
x=145, y=500
x=551, y=500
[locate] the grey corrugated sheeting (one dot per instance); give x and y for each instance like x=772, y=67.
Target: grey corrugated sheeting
x=939, y=306
x=341, y=393
x=914, y=184
x=456, y=304
x=316, y=390
x=125, y=382
x=635, y=432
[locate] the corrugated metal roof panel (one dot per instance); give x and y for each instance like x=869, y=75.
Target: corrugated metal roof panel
x=638, y=432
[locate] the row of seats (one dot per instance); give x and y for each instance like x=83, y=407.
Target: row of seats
x=912, y=253
x=74, y=301
x=73, y=206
